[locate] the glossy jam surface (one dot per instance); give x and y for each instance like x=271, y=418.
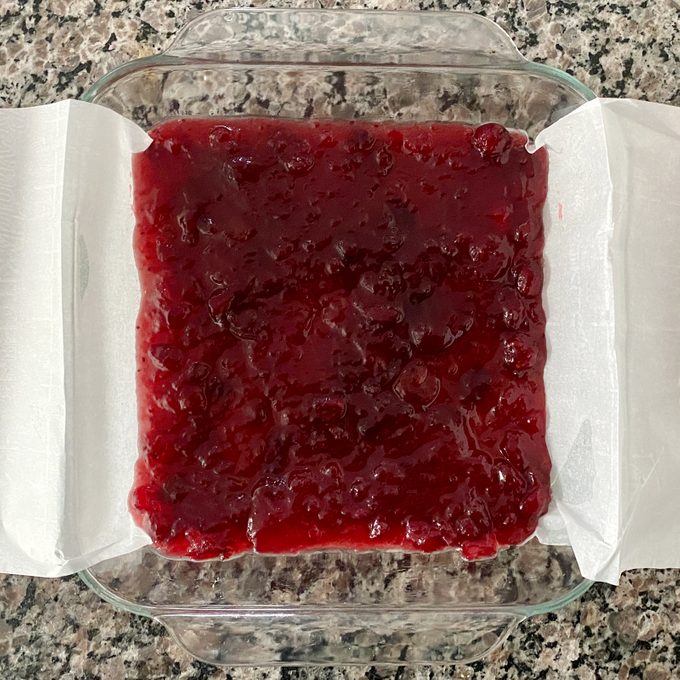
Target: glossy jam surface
x=341, y=338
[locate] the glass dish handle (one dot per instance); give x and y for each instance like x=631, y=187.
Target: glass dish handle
x=256, y=35
x=262, y=636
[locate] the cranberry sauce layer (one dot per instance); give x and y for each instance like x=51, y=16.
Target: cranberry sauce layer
x=341, y=337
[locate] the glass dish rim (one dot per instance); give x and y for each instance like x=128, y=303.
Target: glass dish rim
x=167, y=59
x=520, y=610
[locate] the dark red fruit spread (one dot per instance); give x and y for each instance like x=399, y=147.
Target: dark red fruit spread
x=341, y=338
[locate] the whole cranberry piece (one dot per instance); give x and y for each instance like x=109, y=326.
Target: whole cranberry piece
x=491, y=140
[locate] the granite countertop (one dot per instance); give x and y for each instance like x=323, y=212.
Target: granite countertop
x=54, y=49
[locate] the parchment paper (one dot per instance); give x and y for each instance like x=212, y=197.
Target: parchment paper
x=68, y=304
x=612, y=300
x=69, y=298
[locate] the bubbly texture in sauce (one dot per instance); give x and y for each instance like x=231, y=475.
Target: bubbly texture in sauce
x=341, y=337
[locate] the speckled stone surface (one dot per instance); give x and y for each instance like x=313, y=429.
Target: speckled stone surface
x=54, y=49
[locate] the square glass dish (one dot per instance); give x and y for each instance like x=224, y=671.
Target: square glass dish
x=341, y=607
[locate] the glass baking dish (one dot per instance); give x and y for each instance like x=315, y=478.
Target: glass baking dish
x=341, y=607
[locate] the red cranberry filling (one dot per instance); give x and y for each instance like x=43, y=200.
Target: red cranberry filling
x=341, y=338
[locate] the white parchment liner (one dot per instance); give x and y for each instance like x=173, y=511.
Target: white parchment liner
x=69, y=297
